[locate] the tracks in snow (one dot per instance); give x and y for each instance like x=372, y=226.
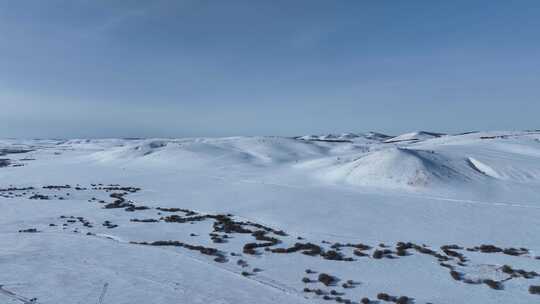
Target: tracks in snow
x=16, y=297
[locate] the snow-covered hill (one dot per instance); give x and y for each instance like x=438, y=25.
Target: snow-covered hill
x=437, y=218
x=401, y=167
x=414, y=136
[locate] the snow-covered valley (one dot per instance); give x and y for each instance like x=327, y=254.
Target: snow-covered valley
x=353, y=218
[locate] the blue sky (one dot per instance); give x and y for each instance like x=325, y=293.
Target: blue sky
x=97, y=68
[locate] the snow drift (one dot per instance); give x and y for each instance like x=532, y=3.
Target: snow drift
x=414, y=136
x=398, y=167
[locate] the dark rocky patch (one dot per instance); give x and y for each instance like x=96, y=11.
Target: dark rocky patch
x=144, y=220
x=115, y=188
x=456, y=275
x=53, y=187
x=242, y=263
x=4, y=162
x=386, y=297
x=534, y=289
x=181, y=219
x=109, y=225
x=519, y=272
x=11, y=189
x=327, y=279
x=136, y=208
x=306, y=280
x=120, y=201
x=515, y=251
x=29, y=230
x=203, y=250
x=379, y=254
x=39, y=197
x=493, y=284
x=186, y=211
x=403, y=300
x=306, y=248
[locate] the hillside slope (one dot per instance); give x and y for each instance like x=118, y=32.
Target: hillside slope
x=259, y=219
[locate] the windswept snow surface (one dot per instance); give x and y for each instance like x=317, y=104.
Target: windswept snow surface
x=172, y=220
x=414, y=136
x=483, y=168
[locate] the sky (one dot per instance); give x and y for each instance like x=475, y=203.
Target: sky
x=100, y=68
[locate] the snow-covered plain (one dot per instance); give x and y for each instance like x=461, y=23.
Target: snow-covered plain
x=405, y=216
